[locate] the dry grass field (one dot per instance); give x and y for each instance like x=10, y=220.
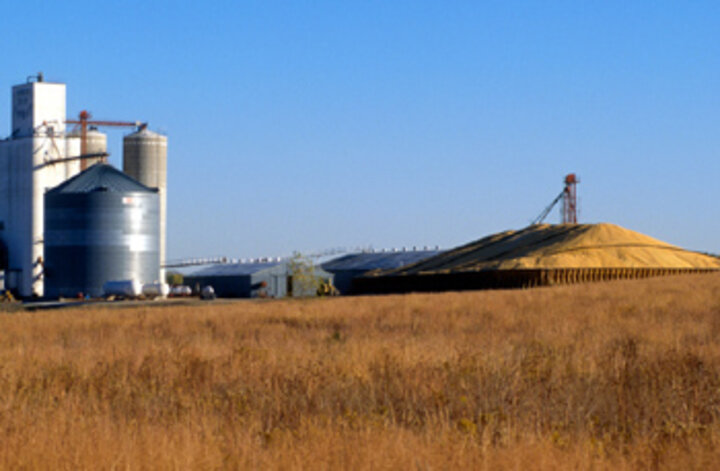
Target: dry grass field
x=618, y=375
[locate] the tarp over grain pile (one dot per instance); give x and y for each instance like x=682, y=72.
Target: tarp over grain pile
x=541, y=255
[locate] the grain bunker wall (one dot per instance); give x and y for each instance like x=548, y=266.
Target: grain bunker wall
x=507, y=279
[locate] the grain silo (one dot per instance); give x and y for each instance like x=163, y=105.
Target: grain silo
x=100, y=226
x=34, y=158
x=96, y=143
x=145, y=159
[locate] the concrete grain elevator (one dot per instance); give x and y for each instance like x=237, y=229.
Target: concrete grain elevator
x=32, y=160
x=41, y=153
x=145, y=160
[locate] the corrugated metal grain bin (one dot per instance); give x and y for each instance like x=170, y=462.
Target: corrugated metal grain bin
x=100, y=226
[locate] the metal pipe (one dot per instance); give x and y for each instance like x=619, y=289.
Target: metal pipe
x=101, y=155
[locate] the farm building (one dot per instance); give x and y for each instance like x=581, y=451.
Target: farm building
x=348, y=267
x=542, y=255
x=272, y=279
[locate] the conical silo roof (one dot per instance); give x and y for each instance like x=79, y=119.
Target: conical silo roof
x=101, y=177
x=145, y=133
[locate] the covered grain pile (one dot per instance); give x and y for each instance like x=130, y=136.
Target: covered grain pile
x=542, y=255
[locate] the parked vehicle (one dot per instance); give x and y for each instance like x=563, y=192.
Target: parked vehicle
x=126, y=289
x=156, y=290
x=207, y=293
x=180, y=291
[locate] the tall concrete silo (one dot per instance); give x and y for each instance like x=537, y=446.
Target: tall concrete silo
x=96, y=144
x=100, y=226
x=32, y=160
x=145, y=159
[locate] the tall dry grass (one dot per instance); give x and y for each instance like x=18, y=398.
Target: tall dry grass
x=604, y=376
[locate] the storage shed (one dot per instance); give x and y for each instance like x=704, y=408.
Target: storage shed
x=258, y=279
x=348, y=267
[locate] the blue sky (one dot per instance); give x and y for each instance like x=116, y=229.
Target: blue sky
x=303, y=125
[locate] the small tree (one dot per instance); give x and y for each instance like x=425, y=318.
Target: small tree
x=173, y=278
x=303, y=280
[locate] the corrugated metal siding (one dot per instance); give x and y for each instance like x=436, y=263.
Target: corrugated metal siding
x=367, y=261
x=92, y=238
x=245, y=280
x=99, y=226
x=348, y=267
x=224, y=286
x=343, y=280
x=234, y=269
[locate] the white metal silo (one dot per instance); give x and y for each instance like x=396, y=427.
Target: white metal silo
x=145, y=159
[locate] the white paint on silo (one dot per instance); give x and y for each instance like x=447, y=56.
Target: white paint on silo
x=72, y=149
x=145, y=159
x=31, y=162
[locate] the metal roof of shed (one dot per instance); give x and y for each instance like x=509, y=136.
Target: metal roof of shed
x=101, y=177
x=234, y=269
x=366, y=261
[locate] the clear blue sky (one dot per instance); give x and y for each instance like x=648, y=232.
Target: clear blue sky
x=302, y=125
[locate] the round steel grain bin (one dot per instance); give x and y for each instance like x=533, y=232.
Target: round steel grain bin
x=100, y=226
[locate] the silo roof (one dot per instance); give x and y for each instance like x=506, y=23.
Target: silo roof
x=562, y=246
x=145, y=133
x=366, y=261
x=101, y=177
x=234, y=269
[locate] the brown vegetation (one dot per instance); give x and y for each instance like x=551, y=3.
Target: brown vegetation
x=622, y=374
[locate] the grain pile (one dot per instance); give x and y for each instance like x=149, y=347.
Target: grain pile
x=541, y=255
x=564, y=246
